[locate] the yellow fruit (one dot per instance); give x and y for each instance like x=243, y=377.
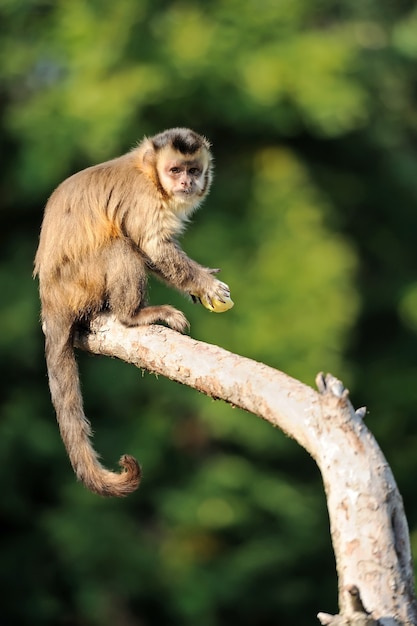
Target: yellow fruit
x=216, y=305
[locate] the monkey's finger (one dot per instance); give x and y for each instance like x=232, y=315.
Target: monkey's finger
x=216, y=305
x=223, y=290
x=215, y=271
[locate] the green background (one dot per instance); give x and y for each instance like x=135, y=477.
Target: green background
x=312, y=111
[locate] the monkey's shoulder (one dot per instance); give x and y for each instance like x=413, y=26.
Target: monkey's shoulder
x=112, y=169
x=122, y=176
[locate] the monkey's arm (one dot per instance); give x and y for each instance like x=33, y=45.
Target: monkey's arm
x=171, y=264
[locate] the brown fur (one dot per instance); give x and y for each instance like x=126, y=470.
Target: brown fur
x=103, y=228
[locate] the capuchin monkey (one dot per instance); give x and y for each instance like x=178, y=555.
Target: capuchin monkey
x=103, y=229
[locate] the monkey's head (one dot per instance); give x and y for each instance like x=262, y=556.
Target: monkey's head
x=182, y=167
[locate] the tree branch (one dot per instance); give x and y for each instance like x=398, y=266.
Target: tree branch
x=367, y=521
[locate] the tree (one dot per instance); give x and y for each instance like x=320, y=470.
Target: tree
x=367, y=519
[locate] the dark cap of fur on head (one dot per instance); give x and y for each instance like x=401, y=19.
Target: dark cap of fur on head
x=184, y=140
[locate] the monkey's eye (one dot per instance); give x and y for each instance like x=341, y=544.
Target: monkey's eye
x=175, y=170
x=194, y=171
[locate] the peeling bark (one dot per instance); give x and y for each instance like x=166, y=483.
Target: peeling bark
x=367, y=521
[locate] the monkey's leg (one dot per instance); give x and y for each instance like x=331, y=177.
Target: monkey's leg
x=126, y=283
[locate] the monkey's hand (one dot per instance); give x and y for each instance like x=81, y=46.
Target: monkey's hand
x=216, y=298
x=170, y=263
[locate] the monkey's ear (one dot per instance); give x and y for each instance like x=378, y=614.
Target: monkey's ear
x=149, y=157
x=148, y=164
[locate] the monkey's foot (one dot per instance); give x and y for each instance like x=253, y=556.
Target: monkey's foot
x=163, y=313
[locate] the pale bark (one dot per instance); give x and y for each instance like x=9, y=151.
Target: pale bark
x=367, y=521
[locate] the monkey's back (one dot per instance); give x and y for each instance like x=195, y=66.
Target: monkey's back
x=86, y=211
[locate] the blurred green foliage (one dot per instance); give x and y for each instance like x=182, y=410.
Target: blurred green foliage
x=311, y=108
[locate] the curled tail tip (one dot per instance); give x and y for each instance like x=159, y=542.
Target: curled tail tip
x=129, y=478
x=132, y=471
x=117, y=485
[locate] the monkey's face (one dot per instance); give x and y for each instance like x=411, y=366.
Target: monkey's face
x=185, y=178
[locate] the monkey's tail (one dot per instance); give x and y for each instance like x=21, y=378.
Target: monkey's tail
x=74, y=426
